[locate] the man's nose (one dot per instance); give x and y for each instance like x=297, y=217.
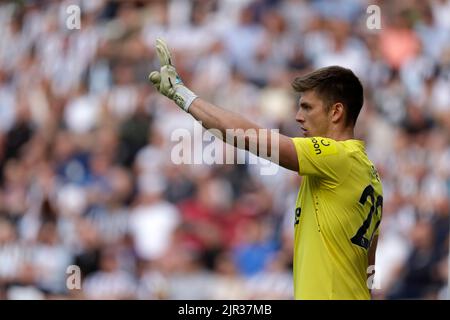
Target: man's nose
x=299, y=117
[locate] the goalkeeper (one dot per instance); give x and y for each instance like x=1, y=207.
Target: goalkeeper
x=339, y=204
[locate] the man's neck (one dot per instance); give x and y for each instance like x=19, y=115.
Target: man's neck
x=341, y=135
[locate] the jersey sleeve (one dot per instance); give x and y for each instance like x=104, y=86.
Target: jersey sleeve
x=322, y=158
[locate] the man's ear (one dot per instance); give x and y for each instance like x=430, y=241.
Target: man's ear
x=337, y=112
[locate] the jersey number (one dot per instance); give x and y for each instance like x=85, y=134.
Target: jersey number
x=359, y=238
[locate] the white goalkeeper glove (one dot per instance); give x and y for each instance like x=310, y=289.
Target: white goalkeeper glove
x=167, y=81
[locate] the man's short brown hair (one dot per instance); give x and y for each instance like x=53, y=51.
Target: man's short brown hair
x=334, y=84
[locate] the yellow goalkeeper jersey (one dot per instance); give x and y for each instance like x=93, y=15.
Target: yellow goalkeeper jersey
x=338, y=211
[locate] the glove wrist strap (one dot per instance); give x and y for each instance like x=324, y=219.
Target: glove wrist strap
x=184, y=97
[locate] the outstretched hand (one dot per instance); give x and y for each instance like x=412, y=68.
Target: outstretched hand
x=167, y=81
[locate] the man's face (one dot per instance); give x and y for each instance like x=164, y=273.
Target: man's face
x=312, y=115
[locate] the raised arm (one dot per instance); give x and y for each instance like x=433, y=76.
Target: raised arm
x=168, y=83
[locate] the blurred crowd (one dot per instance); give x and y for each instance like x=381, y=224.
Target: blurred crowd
x=86, y=176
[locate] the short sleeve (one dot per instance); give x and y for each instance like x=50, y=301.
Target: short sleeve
x=323, y=158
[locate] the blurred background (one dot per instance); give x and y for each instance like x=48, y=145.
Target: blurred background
x=86, y=176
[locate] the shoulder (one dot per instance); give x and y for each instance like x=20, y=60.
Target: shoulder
x=318, y=146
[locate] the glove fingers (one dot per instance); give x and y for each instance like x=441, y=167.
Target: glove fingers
x=165, y=49
x=170, y=93
x=155, y=77
x=163, y=53
x=166, y=81
x=167, y=78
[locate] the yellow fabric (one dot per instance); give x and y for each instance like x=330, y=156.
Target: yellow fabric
x=340, y=188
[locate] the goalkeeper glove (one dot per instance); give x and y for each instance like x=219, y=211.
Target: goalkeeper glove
x=167, y=81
